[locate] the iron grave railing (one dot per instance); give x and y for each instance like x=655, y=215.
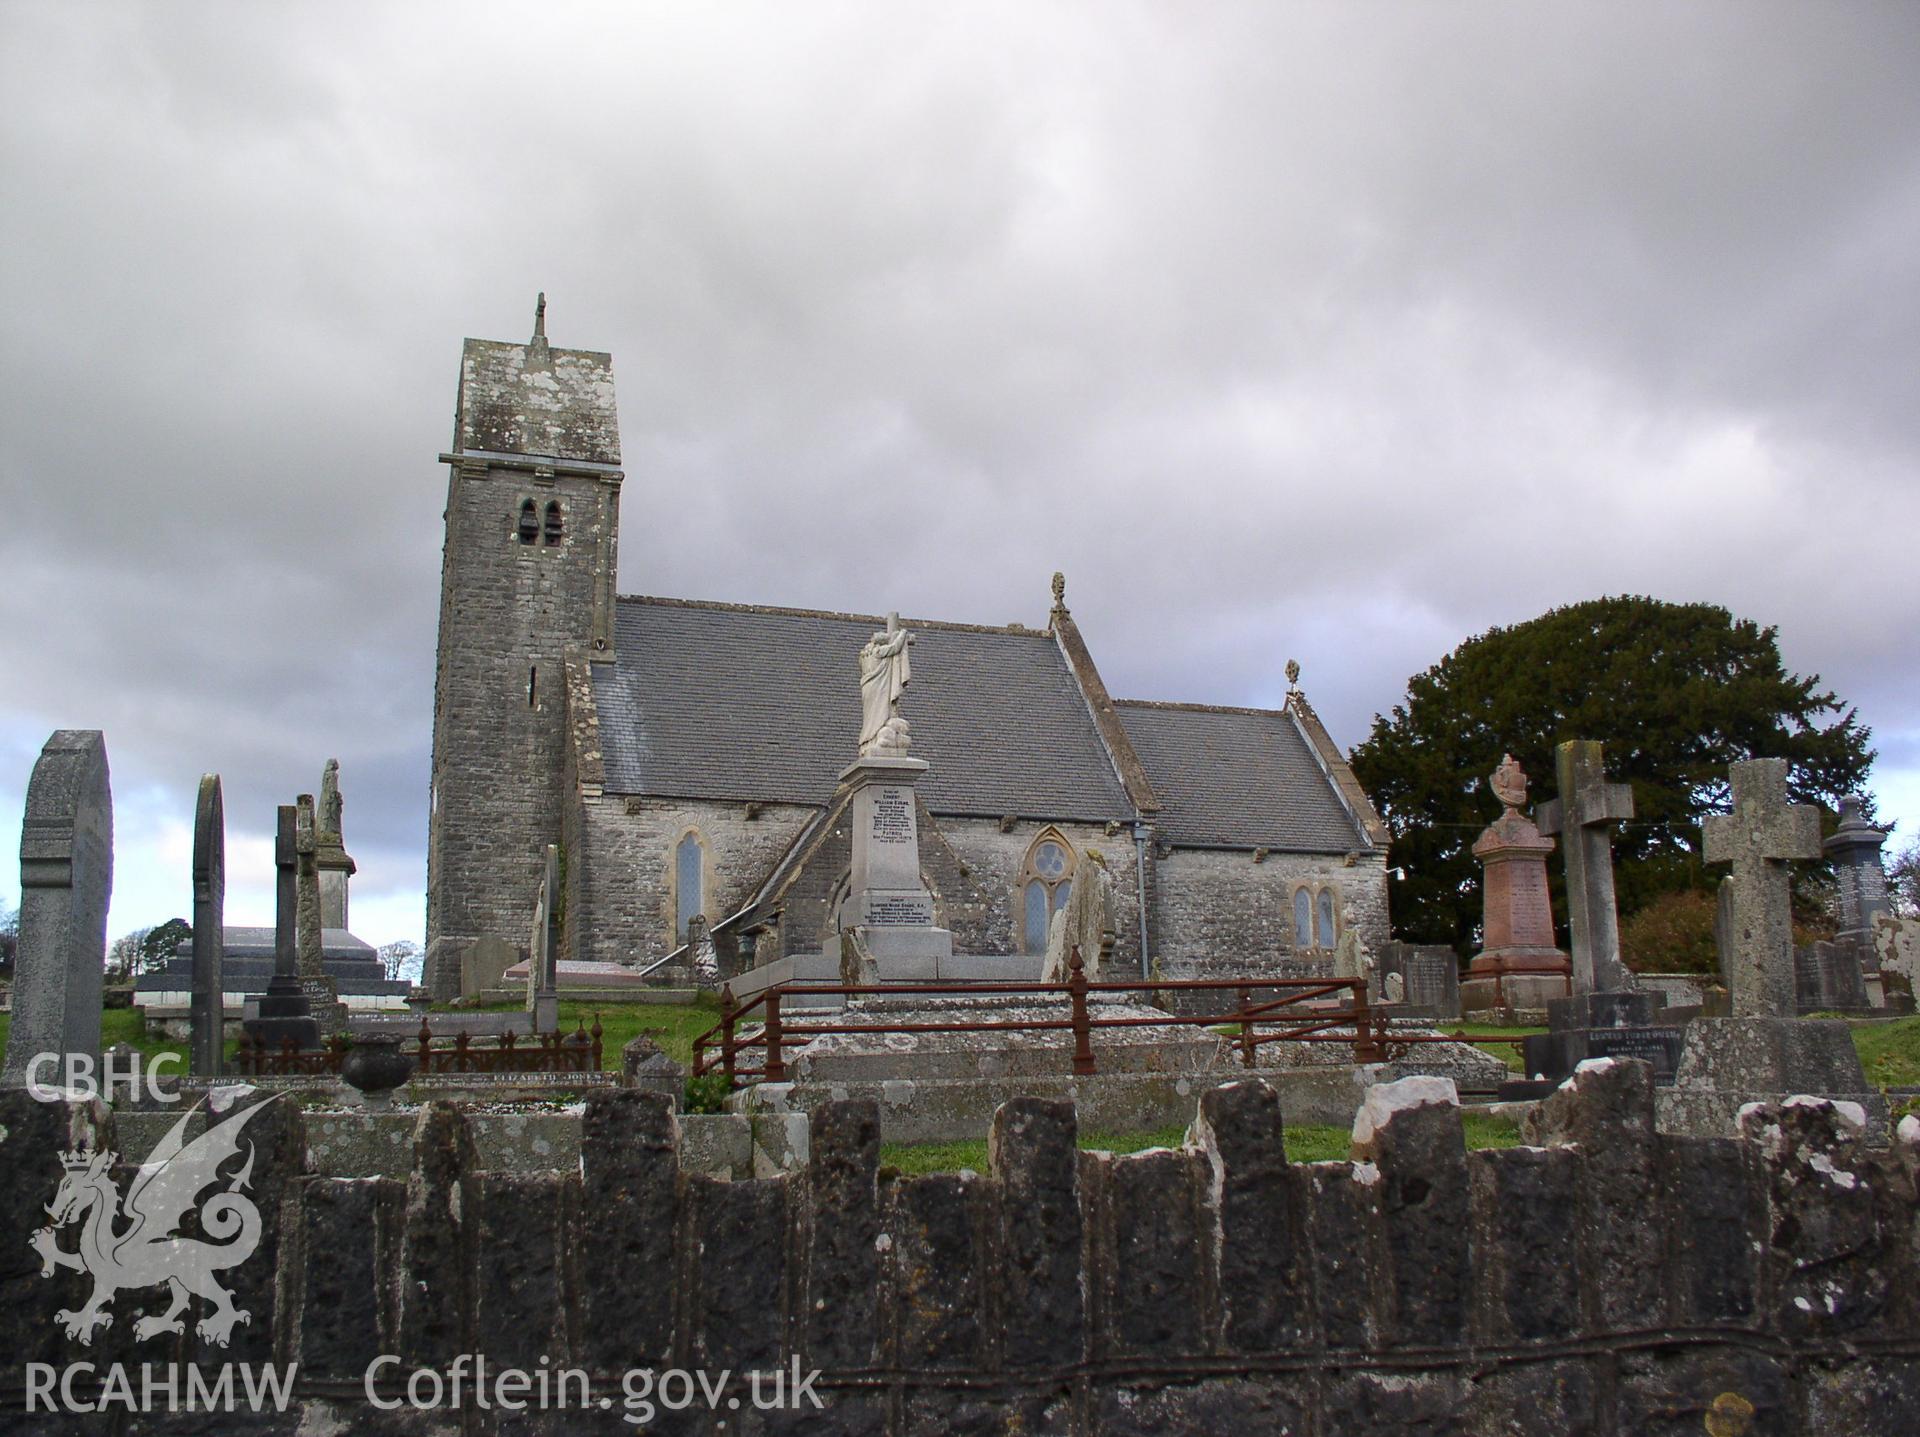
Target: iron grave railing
x=1262, y=1011
x=575, y=1052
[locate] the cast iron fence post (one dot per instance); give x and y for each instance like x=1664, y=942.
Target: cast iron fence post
x=1077, y=991
x=776, y=1065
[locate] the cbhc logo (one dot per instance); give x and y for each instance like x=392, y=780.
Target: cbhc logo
x=116, y=1071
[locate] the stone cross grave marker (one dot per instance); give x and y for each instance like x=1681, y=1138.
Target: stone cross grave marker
x=1586, y=804
x=66, y=879
x=209, y=918
x=1759, y=838
x=283, y=1012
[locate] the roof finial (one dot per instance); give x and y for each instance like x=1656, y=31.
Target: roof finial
x=1293, y=676
x=1059, y=592
x=540, y=316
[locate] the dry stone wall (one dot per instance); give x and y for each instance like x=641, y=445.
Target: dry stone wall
x=1610, y=1280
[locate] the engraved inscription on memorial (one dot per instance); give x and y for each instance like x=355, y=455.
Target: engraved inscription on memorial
x=1531, y=914
x=892, y=816
x=900, y=910
x=1658, y=1046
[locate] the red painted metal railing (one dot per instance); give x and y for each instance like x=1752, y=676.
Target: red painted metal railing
x=1291, y=1016
x=575, y=1052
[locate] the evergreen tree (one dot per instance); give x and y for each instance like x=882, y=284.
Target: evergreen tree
x=1675, y=691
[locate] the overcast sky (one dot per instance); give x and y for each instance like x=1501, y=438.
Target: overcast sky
x=1334, y=332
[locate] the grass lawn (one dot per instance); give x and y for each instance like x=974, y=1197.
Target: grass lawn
x=122, y=1025
x=673, y=1026
x=1305, y=1144
x=1890, y=1052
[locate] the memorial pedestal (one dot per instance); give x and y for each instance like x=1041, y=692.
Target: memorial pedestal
x=1730, y=1062
x=886, y=899
x=283, y=1013
x=1519, y=965
x=1604, y=1025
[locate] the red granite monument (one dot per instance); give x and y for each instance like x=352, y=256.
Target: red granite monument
x=1519, y=964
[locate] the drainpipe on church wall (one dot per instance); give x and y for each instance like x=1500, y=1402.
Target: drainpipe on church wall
x=1140, y=831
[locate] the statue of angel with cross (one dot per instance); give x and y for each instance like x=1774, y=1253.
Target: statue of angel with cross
x=885, y=671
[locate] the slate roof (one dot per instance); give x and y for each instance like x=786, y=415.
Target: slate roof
x=726, y=701
x=1239, y=778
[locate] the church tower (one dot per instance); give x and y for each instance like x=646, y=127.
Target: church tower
x=526, y=582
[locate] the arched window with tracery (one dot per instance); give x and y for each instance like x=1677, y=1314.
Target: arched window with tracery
x=553, y=521
x=1046, y=880
x=689, y=883
x=529, y=522
x=1316, y=916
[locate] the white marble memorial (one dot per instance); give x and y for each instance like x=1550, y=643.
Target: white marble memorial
x=887, y=903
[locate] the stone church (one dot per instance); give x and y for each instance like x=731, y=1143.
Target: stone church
x=684, y=753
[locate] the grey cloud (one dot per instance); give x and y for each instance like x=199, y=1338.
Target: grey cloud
x=1334, y=332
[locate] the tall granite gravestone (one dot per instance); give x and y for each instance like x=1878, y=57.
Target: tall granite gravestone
x=66, y=879
x=1603, y=1017
x=543, y=972
x=1861, y=877
x=1762, y=1053
x=283, y=1013
x=323, y=994
x=209, y=910
x=1519, y=965
x=888, y=906
x=330, y=857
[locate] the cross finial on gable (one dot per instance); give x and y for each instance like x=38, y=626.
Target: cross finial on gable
x=540, y=317
x=1759, y=838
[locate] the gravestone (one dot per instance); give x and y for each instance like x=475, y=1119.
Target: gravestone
x=209, y=929
x=323, y=994
x=283, y=1013
x=1762, y=1053
x=1759, y=838
x=702, y=956
x=1860, y=875
x=543, y=971
x=1087, y=921
x=1429, y=975
x=1519, y=965
x=1603, y=1017
x=1827, y=979
x=1586, y=804
x=483, y=966
x=66, y=880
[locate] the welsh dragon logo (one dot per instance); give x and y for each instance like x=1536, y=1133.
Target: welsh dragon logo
x=136, y=1242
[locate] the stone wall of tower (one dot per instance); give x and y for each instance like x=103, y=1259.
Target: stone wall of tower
x=510, y=612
